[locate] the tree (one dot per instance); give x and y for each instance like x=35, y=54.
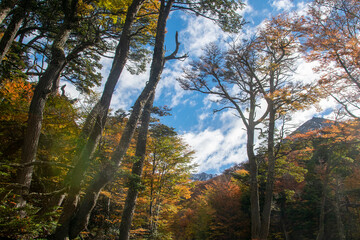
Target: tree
x=254, y=70
x=211, y=214
x=17, y=19
x=41, y=93
x=167, y=173
x=99, y=113
x=330, y=37
x=54, y=159
x=134, y=181
x=211, y=68
x=5, y=8
x=280, y=46
x=331, y=152
x=72, y=225
x=110, y=211
x=108, y=172
x=330, y=158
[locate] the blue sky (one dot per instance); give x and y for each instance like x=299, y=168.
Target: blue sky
x=218, y=139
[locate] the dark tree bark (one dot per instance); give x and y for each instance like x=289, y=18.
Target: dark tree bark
x=5, y=8
x=254, y=185
x=95, y=122
x=137, y=169
x=151, y=201
x=243, y=74
x=78, y=221
x=41, y=93
x=339, y=222
x=52, y=205
x=269, y=188
x=321, y=233
x=12, y=29
x=266, y=214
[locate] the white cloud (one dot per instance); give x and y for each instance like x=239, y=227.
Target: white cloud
x=302, y=8
x=168, y=85
x=225, y=142
x=282, y=5
x=200, y=32
x=128, y=86
x=324, y=108
x=218, y=147
x=304, y=71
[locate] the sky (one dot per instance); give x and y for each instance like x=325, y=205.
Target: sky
x=218, y=139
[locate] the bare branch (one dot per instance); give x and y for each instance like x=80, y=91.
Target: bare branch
x=36, y=163
x=173, y=55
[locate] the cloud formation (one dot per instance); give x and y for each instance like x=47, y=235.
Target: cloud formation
x=218, y=147
x=218, y=139
x=282, y=5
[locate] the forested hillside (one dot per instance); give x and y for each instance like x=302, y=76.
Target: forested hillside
x=80, y=168
x=316, y=191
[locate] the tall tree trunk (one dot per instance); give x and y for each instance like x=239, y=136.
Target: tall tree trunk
x=5, y=8
x=12, y=29
x=151, y=201
x=339, y=223
x=266, y=214
x=283, y=217
x=97, y=115
x=321, y=233
x=88, y=125
x=254, y=187
x=41, y=93
x=52, y=205
x=154, y=217
x=137, y=169
x=79, y=220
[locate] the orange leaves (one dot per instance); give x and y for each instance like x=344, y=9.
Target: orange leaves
x=15, y=98
x=214, y=214
x=330, y=33
x=106, y=193
x=150, y=10
x=336, y=133
x=16, y=90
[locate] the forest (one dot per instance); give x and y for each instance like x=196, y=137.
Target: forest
x=76, y=168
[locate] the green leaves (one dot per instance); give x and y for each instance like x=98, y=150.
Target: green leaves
x=223, y=12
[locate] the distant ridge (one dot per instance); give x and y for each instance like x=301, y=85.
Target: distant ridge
x=202, y=176
x=313, y=124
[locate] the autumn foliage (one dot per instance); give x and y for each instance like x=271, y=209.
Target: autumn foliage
x=66, y=164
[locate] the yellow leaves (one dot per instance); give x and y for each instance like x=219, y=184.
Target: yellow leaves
x=115, y=13
x=117, y=9
x=150, y=9
x=115, y=5
x=242, y=172
x=84, y=8
x=183, y=191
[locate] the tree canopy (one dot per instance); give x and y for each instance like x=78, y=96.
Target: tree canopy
x=75, y=168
